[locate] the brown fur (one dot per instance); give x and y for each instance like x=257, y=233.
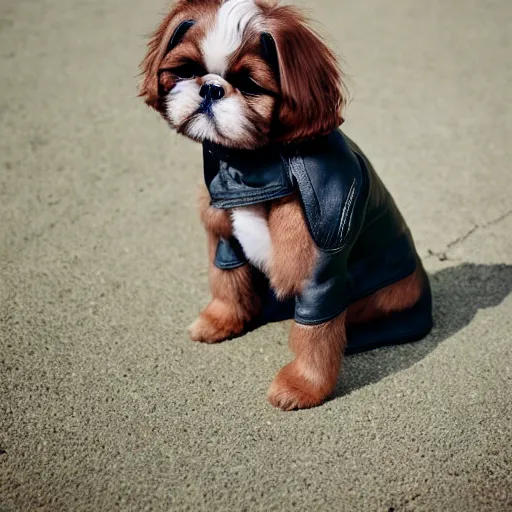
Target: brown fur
x=311, y=377
x=396, y=297
x=214, y=220
x=290, y=243
x=311, y=85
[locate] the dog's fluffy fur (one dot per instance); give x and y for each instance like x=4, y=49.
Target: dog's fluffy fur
x=301, y=99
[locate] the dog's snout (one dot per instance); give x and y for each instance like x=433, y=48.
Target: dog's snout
x=211, y=91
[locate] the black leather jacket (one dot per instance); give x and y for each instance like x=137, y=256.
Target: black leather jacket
x=364, y=243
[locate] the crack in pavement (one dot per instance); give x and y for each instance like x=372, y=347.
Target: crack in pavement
x=463, y=237
x=442, y=256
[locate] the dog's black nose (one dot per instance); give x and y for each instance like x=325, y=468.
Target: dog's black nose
x=211, y=91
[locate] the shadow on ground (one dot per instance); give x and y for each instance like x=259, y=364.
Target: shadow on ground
x=458, y=293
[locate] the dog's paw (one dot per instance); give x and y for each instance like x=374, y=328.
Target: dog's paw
x=203, y=330
x=290, y=390
x=215, y=324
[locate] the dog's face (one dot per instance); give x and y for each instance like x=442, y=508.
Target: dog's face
x=241, y=73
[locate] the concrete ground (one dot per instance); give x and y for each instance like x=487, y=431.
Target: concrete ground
x=106, y=405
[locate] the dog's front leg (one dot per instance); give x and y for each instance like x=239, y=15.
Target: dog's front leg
x=234, y=300
x=310, y=378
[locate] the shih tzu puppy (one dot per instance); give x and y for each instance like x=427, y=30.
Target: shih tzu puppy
x=299, y=225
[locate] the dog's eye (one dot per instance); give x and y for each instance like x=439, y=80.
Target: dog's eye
x=246, y=85
x=188, y=70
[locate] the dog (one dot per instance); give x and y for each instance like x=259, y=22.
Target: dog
x=298, y=223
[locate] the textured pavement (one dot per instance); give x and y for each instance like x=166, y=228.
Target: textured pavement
x=105, y=404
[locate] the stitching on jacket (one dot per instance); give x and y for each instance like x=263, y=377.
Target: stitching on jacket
x=234, y=202
x=346, y=211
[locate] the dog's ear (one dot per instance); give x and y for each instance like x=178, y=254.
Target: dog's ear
x=311, y=84
x=157, y=47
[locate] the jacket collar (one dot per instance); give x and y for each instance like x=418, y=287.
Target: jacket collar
x=237, y=178
x=241, y=177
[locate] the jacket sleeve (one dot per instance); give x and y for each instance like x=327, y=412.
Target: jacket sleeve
x=328, y=291
x=334, y=187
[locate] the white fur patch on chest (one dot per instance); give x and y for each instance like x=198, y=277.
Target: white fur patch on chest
x=250, y=227
x=226, y=34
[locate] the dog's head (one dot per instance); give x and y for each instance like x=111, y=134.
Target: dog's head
x=241, y=73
